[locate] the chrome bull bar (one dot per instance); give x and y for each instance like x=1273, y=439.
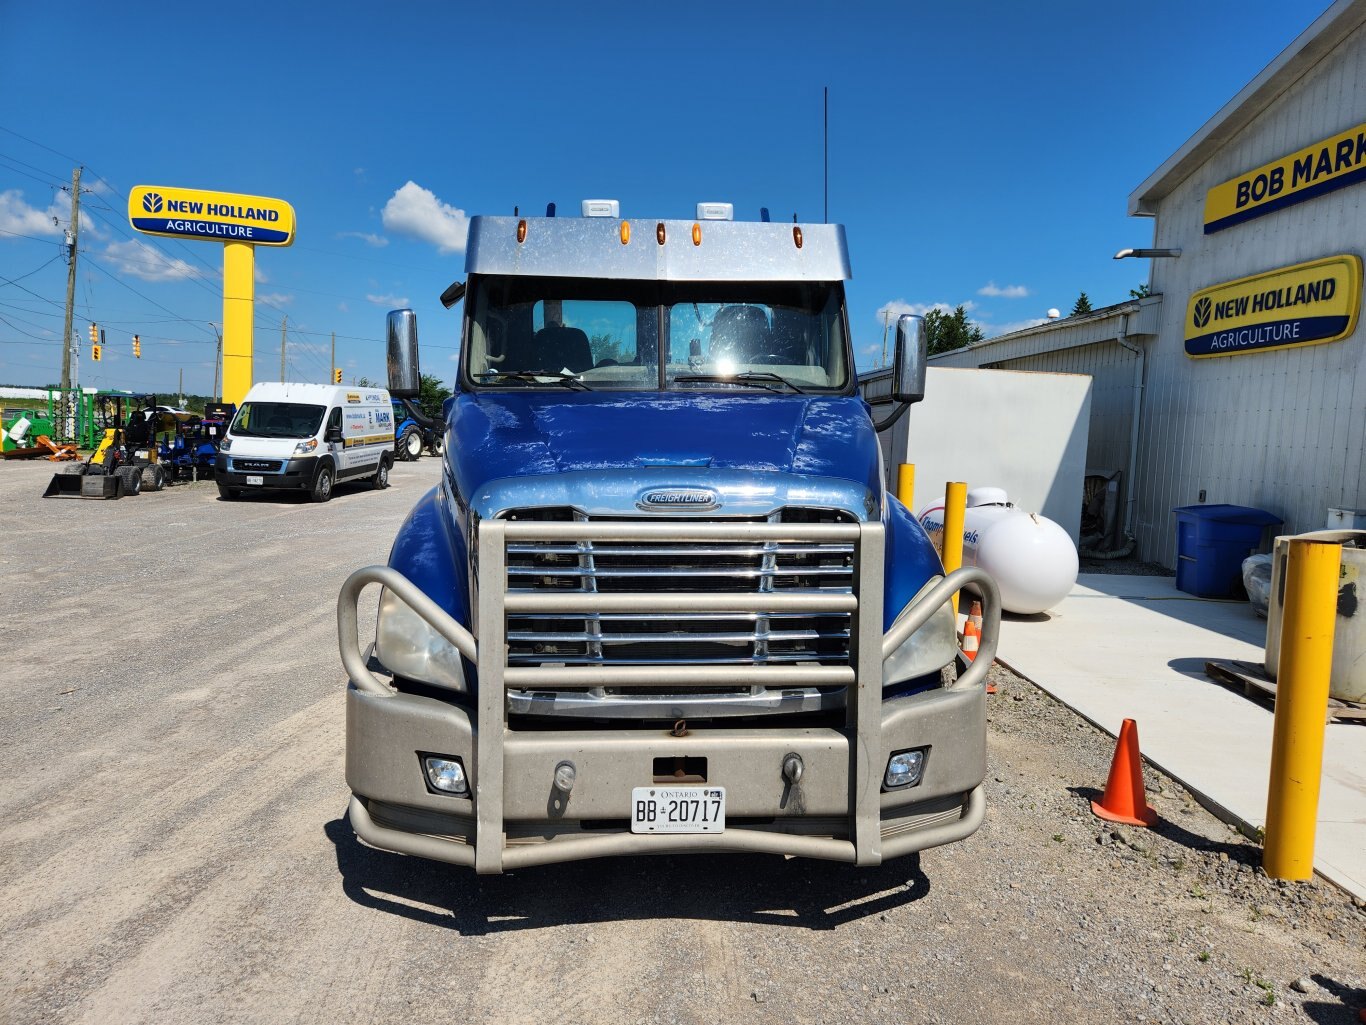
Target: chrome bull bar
x=487, y=650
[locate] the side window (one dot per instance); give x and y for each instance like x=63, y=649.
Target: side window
x=334, y=419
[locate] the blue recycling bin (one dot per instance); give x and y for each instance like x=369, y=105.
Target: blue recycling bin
x=1211, y=543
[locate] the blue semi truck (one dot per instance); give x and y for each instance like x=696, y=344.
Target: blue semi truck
x=662, y=599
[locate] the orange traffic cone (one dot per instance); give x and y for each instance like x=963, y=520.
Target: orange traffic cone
x=1124, y=800
x=972, y=632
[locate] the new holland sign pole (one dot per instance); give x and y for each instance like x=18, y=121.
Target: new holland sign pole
x=241, y=223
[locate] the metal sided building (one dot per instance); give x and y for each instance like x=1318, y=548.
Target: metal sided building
x=1241, y=379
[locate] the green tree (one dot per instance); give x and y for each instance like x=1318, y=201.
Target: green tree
x=947, y=331
x=1082, y=305
x=431, y=395
x=1141, y=292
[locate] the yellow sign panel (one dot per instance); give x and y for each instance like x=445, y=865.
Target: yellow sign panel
x=220, y=216
x=1280, y=309
x=1312, y=171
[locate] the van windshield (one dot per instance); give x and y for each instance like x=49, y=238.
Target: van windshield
x=278, y=420
x=594, y=334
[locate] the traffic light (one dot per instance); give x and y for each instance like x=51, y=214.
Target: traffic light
x=94, y=334
x=336, y=375
x=95, y=352
x=137, y=347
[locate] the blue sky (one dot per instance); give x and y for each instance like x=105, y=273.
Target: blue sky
x=980, y=153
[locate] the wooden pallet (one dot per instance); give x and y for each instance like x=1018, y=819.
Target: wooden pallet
x=1254, y=683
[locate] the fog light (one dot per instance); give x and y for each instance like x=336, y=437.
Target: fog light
x=446, y=775
x=903, y=770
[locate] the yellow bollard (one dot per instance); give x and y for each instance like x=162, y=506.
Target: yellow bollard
x=1292, y=803
x=955, y=509
x=905, y=484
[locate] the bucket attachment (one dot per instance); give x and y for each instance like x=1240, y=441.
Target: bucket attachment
x=84, y=485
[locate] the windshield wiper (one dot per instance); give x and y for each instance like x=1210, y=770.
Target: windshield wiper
x=751, y=377
x=532, y=377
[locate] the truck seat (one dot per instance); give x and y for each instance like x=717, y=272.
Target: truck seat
x=563, y=348
x=740, y=333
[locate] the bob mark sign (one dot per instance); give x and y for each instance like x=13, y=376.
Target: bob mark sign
x=1312, y=171
x=1280, y=309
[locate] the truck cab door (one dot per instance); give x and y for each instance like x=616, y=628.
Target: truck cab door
x=335, y=440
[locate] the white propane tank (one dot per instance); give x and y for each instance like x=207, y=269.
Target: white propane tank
x=1031, y=558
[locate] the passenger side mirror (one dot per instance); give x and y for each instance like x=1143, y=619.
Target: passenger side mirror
x=446, y=405
x=405, y=380
x=908, y=371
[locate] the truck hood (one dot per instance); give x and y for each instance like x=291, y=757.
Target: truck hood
x=512, y=434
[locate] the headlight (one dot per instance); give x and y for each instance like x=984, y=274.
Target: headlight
x=225, y=444
x=927, y=650
x=408, y=647
x=304, y=447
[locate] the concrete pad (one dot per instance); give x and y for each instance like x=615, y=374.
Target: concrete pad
x=1134, y=647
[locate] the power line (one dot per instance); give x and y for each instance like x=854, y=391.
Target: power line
x=146, y=298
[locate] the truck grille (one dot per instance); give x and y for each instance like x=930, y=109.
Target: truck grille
x=646, y=637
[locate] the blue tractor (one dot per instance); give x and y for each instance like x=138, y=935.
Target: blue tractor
x=414, y=431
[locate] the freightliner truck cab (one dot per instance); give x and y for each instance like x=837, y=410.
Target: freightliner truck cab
x=661, y=600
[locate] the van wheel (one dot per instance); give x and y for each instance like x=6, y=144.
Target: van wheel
x=410, y=445
x=322, y=485
x=380, y=480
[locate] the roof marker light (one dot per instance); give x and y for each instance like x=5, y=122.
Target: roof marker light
x=550, y=209
x=625, y=232
x=696, y=234
x=716, y=211
x=521, y=231
x=763, y=214
x=797, y=235
x=601, y=208
x=659, y=232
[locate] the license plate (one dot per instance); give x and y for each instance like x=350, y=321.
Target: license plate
x=256, y=480
x=678, y=810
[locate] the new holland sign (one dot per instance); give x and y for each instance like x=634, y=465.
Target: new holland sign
x=221, y=216
x=1312, y=171
x=1280, y=309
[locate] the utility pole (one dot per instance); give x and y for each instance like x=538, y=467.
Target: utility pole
x=886, y=320
x=217, y=356
x=73, y=237
x=284, y=321
x=182, y=387
x=333, y=370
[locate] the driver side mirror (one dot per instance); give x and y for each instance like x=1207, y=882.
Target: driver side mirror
x=333, y=434
x=405, y=380
x=908, y=370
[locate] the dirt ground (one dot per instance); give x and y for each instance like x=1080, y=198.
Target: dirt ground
x=175, y=845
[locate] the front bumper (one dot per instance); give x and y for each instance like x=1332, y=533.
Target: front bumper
x=292, y=475
x=514, y=817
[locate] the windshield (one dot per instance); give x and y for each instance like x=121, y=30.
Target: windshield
x=645, y=335
x=278, y=420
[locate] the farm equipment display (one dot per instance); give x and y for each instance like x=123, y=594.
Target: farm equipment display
x=187, y=452
x=414, y=431
x=127, y=458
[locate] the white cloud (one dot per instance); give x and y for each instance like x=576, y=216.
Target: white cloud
x=369, y=238
x=18, y=218
x=891, y=310
x=344, y=307
x=140, y=260
x=416, y=212
x=275, y=298
x=258, y=274
x=995, y=291
x=393, y=302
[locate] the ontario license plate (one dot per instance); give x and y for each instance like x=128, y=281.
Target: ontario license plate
x=678, y=810
x=256, y=480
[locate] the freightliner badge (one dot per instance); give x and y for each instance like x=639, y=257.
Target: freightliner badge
x=220, y=216
x=1280, y=309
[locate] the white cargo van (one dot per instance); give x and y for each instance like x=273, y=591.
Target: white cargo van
x=306, y=437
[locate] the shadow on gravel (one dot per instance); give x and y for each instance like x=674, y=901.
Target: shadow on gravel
x=1341, y=1013
x=1237, y=850
x=728, y=888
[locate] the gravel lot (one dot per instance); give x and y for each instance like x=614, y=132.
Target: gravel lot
x=175, y=847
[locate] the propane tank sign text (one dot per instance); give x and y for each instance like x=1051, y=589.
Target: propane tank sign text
x=1280, y=309
x=1312, y=171
x=220, y=216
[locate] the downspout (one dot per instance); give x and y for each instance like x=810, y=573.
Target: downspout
x=1131, y=492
